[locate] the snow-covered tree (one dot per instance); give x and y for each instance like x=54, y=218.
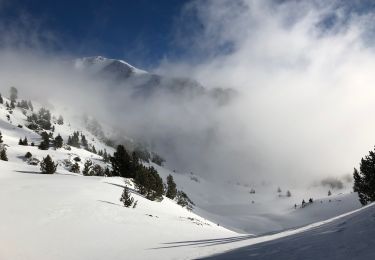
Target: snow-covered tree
x=126, y=198
x=87, y=168
x=75, y=168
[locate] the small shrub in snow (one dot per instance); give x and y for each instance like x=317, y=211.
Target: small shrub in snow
x=23, y=142
x=75, y=168
x=28, y=155
x=126, y=198
x=3, y=154
x=77, y=159
x=33, y=161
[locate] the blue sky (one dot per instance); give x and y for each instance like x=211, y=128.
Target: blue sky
x=140, y=31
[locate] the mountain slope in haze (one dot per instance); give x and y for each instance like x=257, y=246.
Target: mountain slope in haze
x=145, y=84
x=70, y=216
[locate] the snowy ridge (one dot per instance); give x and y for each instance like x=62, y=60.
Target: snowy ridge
x=97, y=63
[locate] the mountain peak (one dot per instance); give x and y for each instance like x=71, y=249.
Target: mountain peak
x=99, y=63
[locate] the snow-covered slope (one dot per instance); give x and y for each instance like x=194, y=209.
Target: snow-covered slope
x=350, y=236
x=70, y=216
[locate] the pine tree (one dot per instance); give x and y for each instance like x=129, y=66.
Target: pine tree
x=20, y=142
x=107, y=172
x=364, y=179
x=58, y=142
x=30, y=105
x=44, y=145
x=60, y=120
x=44, y=118
x=329, y=193
x=74, y=140
x=171, y=187
x=94, y=150
x=1, y=138
x=279, y=190
x=25, y=142
x=126, y=198
x=121, y=163
x=105, y=156
x=47, y=166
x=3, y=155
x=96, y=170
x=1, y=99
x=84, y=142
x=13, y=94
x=184, y=201
x=288, y=194
x=87, y=168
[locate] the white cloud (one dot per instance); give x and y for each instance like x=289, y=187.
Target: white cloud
x=307, y=87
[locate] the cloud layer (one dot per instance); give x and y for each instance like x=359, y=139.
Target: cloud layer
x=305, y=74
x=303, y=71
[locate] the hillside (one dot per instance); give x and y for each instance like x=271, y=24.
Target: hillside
x=70, y=216
x=346, y=237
